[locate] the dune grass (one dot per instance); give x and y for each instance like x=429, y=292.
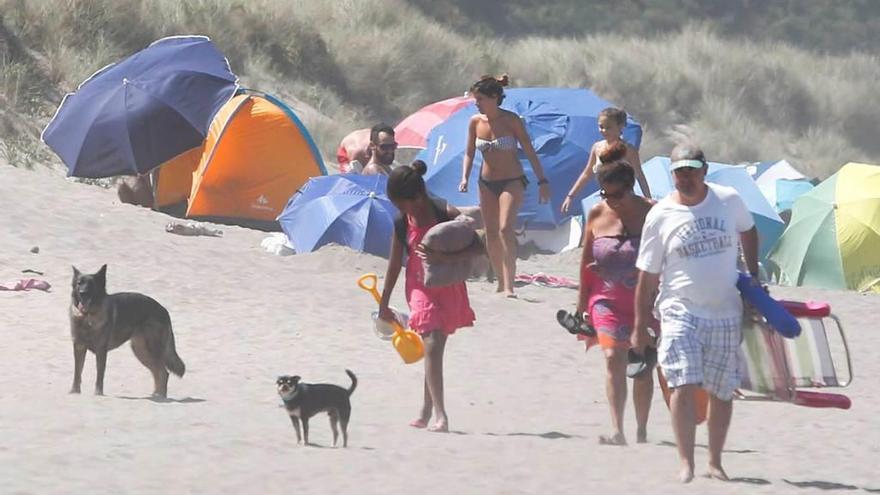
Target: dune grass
x=348, y=63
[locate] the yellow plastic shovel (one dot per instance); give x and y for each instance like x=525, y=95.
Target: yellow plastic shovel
x=407, y=343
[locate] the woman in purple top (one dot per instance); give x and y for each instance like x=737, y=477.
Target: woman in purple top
x=607, y=289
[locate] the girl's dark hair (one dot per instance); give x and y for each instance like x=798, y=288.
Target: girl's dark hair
x=616, y=172
x=614, y=152
x=615, y=114
x=406, y=183
x=491, y=86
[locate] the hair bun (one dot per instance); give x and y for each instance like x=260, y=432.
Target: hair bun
x=503, y=79
x=419, y=166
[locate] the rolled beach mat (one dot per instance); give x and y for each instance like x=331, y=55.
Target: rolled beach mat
x=772, y=310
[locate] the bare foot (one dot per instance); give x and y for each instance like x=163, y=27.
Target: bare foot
x=441, y=426
x=419, y=423
x=510, y=295
x=686, y=475
x=499, y=288
x=717, y=473
x=616, y=439
x=641, y=436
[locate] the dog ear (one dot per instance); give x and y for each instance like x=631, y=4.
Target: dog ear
x=76, y=272
x=102, y=275
x=295, y=379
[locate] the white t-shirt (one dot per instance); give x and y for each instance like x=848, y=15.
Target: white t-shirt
x=695, y=251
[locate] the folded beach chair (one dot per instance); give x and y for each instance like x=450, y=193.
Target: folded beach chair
x=779, y=369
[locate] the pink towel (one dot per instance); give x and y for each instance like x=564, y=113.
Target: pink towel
x=545, y=280
x=28, y=284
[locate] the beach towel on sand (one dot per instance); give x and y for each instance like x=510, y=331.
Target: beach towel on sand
x=545, y=280
x=27, y=284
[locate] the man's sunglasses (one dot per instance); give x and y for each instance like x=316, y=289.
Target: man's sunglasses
x=605, y=195
x=387, y=146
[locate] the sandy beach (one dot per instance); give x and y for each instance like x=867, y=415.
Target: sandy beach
x=526, y=403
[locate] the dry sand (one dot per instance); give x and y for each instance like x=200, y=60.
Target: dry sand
x=526, y=403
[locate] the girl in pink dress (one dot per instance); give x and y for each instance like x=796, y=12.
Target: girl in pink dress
x=435, y=312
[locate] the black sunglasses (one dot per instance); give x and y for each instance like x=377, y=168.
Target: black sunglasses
x=619, y=194
x=387, y=146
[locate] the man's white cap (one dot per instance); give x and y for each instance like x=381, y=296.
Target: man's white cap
x=686, y=155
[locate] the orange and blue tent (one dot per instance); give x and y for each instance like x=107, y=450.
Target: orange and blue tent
x=256, y=155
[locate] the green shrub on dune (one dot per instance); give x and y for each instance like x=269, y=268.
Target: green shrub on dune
x=345, y=64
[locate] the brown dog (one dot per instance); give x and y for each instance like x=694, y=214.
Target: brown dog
x=100, y=322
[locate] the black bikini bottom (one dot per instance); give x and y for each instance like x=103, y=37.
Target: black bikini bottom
x=496, y=187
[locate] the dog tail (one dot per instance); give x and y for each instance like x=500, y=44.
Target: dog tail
x=172, y=360
x=354, y=381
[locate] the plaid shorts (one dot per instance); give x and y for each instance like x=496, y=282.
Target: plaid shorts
x=704, y=351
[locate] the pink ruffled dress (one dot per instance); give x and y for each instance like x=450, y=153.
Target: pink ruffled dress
x=445, y=309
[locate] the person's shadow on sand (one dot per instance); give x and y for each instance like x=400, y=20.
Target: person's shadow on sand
x=164, y=400
x=750, y=481
x=313, y=445
x=550, y=435
x=665, y=443
x=825, y=485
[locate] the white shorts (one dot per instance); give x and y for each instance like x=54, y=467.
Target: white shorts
x=700, y=351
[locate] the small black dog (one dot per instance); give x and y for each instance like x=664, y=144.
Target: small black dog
x=304, y=400
x=101, y=322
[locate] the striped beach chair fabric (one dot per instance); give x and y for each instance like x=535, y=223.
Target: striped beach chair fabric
x=777, y=369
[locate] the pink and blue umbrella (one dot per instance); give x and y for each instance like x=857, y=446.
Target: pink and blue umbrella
x=132, y=116
x=347, y=209
x=563, y=125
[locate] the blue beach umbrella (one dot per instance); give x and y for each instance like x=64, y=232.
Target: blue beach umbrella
x=563, y=125
x=657, y=175
x=348, y=209
x=786, y=192
x=780, y=182
x=769, y=225
x=132, y=116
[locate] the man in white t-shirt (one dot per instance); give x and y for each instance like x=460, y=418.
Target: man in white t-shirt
x=689, y=250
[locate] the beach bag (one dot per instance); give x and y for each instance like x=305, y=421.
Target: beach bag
x=449, y=237
x=400, y=221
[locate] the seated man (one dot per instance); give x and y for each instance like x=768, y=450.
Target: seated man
x=137, y=190
x=383, y=148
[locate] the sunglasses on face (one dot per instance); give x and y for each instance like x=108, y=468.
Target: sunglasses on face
x=387, y=146
x=617, y=195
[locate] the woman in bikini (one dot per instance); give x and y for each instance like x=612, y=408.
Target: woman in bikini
x=496, y=133
x=607, y=291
